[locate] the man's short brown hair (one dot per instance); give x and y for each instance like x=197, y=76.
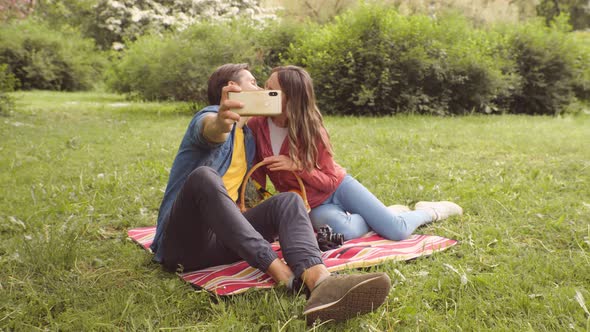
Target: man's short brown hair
x=220, y=78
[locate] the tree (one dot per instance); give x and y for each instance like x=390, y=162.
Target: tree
x=578, y=10
x=15, y=9
x=119, y=21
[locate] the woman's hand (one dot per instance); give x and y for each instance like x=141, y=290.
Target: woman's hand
x=280, y=163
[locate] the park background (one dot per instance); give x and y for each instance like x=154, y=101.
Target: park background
x=480, y=102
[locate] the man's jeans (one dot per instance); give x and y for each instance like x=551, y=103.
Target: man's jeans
x=206, y=229
x=353, y=210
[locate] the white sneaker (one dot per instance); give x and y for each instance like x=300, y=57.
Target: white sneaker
x=396, y=209
x=440, y=210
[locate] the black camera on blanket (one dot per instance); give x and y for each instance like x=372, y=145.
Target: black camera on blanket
x=327, y=240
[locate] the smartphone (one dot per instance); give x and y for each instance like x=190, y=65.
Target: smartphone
x=260, y=102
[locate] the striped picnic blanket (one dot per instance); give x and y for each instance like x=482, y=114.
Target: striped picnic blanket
x=366, y=251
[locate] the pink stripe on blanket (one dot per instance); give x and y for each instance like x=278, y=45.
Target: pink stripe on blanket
x=366, y=251
x=144, y=236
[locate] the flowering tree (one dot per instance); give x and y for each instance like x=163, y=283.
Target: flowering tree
x=121, y=20
x=15, y=8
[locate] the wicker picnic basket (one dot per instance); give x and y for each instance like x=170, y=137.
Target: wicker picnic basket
x=301, y=191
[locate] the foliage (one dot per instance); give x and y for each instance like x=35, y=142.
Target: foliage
x=550, y=64
x=370, y=60
x=59, y=13
x=479, y=12
x=319, y=11
x=581, y=85
x=272, y=42
x=111, y=23
x=42, y=58
x=7, y=84
x=77, y=15
x=11, y=9
x=578, y=12
x=176, y=65
x=119, y=21
x=375, y=61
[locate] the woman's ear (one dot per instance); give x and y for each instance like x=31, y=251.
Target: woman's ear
x=232, y=83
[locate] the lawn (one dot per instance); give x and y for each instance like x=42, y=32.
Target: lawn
x=79, y=169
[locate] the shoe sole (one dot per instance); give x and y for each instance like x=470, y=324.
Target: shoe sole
x=360, y=299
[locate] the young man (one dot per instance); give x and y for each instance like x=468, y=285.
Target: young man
x=200, y=225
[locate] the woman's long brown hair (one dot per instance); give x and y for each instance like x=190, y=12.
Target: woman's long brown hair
x=304, y=120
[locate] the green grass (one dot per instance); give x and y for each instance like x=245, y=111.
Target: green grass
x=79, y=169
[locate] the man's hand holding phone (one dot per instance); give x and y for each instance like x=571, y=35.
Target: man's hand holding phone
x=257, y=102
x=227, y=115
x=216, y=127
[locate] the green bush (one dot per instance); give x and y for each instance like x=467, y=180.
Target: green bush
x=469, y=71
x=176, y=66
x=42, y=58
x=7, y=84
x=551, y=66
x=581, y=85
x=272, y=44
x=375, y=61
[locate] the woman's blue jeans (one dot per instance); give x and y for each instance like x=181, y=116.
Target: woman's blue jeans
x=353, y=210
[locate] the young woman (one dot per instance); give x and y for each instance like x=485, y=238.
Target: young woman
x=297, y=141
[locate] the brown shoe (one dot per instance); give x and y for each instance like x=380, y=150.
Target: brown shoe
x=340, y=297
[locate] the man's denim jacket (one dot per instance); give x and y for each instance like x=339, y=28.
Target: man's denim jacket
x=196, y=151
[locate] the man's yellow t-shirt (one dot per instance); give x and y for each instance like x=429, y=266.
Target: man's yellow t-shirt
x=232, y=179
